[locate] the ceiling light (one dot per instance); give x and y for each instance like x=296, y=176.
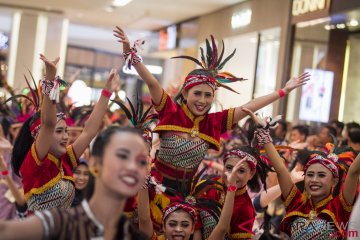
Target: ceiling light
x=353, y=23
x=341, y=26
x=327, y=27
x=120, y=3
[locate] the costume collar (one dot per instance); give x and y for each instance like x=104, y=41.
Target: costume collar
x=240, y=191
x=189, y=114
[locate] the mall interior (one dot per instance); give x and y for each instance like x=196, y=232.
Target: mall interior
x=173, y=154
x=274, y=40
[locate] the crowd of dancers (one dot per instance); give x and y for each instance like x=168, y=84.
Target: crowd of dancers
x=170, y=169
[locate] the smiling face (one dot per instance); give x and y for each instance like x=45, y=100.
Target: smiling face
x=124, y=164
x=245, y=173
x=179, y=226
x=81, y=176
x=319, y=181
x=199, y=99
x=60, y=138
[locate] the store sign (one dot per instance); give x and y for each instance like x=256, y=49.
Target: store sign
x=303, y=10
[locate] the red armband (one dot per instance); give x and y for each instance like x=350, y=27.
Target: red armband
x=106, y=93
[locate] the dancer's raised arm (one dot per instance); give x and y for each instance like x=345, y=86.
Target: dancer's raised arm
x=263, y=101
x=264, y=138
x=155, y=89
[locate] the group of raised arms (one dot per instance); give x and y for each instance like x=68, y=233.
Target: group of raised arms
x=171, y=169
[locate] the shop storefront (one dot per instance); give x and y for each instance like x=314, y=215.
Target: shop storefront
x=326, y=43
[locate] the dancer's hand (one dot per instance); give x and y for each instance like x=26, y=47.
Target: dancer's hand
x=297, y=176
x=251, y=114
x=113, y=81
x=122, y=37
x=5, y=144
x=50, y=67
x=234, y=176
x=296, y=82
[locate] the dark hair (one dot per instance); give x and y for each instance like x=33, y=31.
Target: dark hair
x=179, y=98
x=332, y=130
x=351, y=125
x=283, y=124
x=302, y=129
x=22, y=144
x=104, y=138
x=338, y=124
x=354, y=135
x=261, y=169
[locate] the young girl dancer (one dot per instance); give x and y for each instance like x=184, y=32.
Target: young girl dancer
x=41, y=155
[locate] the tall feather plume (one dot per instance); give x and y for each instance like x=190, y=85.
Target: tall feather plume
x=213, y=62
x=138, y=118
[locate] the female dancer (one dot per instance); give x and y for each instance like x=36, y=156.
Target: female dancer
x=41, y=155
x=251, y=172
x=186, y=128
x=316, y=213
x=120, y=163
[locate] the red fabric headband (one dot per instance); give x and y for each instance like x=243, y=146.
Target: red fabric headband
x=329, y=163
x=180, y=206
x=193, y=80
x=35, y=126
x=241, y=154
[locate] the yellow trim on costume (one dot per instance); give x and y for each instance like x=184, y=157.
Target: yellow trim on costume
x=188, y=130
x=71, y=153
x=323, y=202
x=347, y=207
x=69, y=178
x=162, y=102
x=44, y=187
x=54, y=159
x=291, y=196
x=187, y=112
x=230, y=119
x=34, y=155
x=240, y=191
x=241, y=235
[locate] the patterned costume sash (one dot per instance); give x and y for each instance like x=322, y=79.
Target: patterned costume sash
x=303, y=229
x=61, y=195
x=176, y=153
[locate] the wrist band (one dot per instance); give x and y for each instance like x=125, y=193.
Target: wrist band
x=210, y=164
x=231, y=188
x=281, y=93
x=106, y=93
x=4, y=173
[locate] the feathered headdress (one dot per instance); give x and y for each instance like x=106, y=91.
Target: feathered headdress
x=78, y=116
x=190, y=199
x=35, y=98
x=211, y=63
x=138, y=118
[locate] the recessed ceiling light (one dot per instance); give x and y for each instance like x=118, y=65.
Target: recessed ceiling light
x=120, y=3
x=341, y=26
x=353, y=23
